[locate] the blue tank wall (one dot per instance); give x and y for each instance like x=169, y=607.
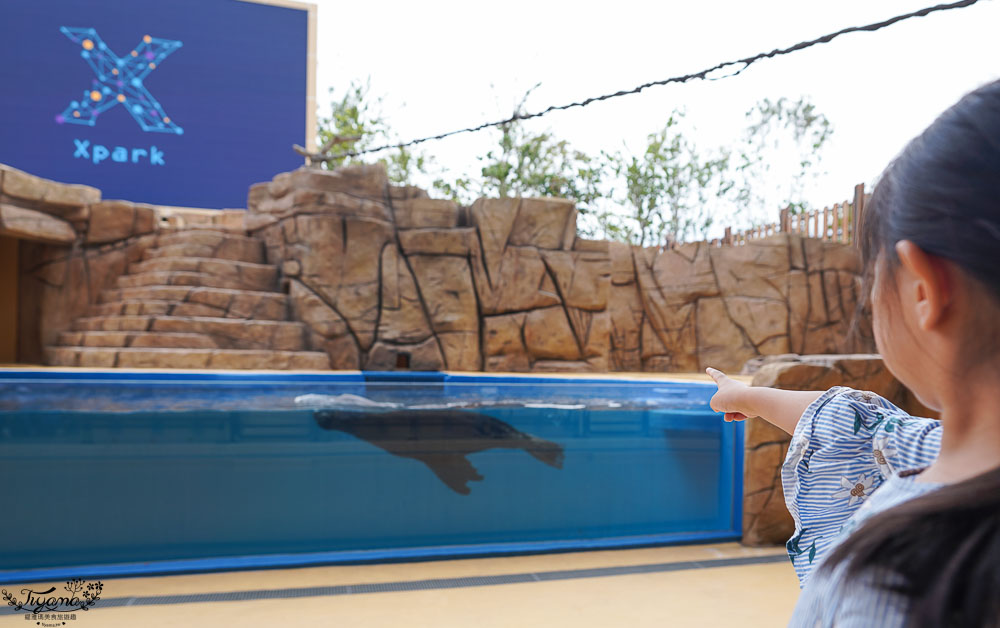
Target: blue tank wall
x=209, y=471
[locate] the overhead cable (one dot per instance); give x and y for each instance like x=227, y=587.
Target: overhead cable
x=703, y=75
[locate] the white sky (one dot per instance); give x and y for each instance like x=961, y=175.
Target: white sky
x=441, y=65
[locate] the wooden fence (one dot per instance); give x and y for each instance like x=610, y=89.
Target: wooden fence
x=835, y=224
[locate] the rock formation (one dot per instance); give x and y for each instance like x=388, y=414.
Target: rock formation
x=378, y=276
x=385, y=277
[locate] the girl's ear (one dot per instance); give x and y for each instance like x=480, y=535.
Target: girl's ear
x=927, y=284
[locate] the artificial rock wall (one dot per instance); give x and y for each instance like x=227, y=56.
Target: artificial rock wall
x=386, y=278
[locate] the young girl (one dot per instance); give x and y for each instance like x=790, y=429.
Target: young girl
x=897, y=519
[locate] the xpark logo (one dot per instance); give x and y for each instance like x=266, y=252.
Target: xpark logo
x=119, y=81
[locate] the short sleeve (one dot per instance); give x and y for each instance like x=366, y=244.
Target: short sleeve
x=844, y=446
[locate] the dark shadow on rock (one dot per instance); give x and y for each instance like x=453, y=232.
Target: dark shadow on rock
x=441, y=439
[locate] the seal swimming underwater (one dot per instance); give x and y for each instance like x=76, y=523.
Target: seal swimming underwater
x=441, y=439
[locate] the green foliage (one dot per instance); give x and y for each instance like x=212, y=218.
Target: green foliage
x=667, y=193
x=350, y=117
x=673, y=190
x=666, y=190
x=781, y=137
x=525, y=163
x=356, y=121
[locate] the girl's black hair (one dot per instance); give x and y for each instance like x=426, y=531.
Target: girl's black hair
x=943, y=194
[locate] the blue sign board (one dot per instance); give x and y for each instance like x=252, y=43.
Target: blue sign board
x=171, y=102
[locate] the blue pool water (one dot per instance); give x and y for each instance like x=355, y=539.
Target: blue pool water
x=108, y=473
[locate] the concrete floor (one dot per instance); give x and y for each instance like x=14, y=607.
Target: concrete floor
x=697, y=594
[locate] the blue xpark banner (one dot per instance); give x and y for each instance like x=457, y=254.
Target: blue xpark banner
x=172, y=102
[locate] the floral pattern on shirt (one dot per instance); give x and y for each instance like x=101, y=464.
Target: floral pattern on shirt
x=794, y=551
x=855, y=490
x=883, y=453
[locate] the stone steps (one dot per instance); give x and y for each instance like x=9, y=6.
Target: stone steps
x=239, y=253
x=136, y=339
x=188, y=227
x=225, y=333
x=224, y=245
x=105, y=357
x=243, y=271
x=273, y=309
x=217, y=297
x=199, y=279
x=213, y=237
x=201, y=299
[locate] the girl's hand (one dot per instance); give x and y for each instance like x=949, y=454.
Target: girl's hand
x=730, y=398
x=781, y=408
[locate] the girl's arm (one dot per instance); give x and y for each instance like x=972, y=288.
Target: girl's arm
x=860, y=437
x=738, y=401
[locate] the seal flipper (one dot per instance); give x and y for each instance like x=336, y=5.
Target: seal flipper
x=454, y=470
x=545, y=451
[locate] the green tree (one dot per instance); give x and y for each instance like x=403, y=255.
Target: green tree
x=779, y=151
x=674, y=190
x=355, y=122
x=666, y=190
x=525, y=163
x=671, y=192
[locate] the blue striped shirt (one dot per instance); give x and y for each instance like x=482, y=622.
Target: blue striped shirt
x=842, y=467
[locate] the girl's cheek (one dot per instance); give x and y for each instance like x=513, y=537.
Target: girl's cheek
x=880, y=319
x=877, y=330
